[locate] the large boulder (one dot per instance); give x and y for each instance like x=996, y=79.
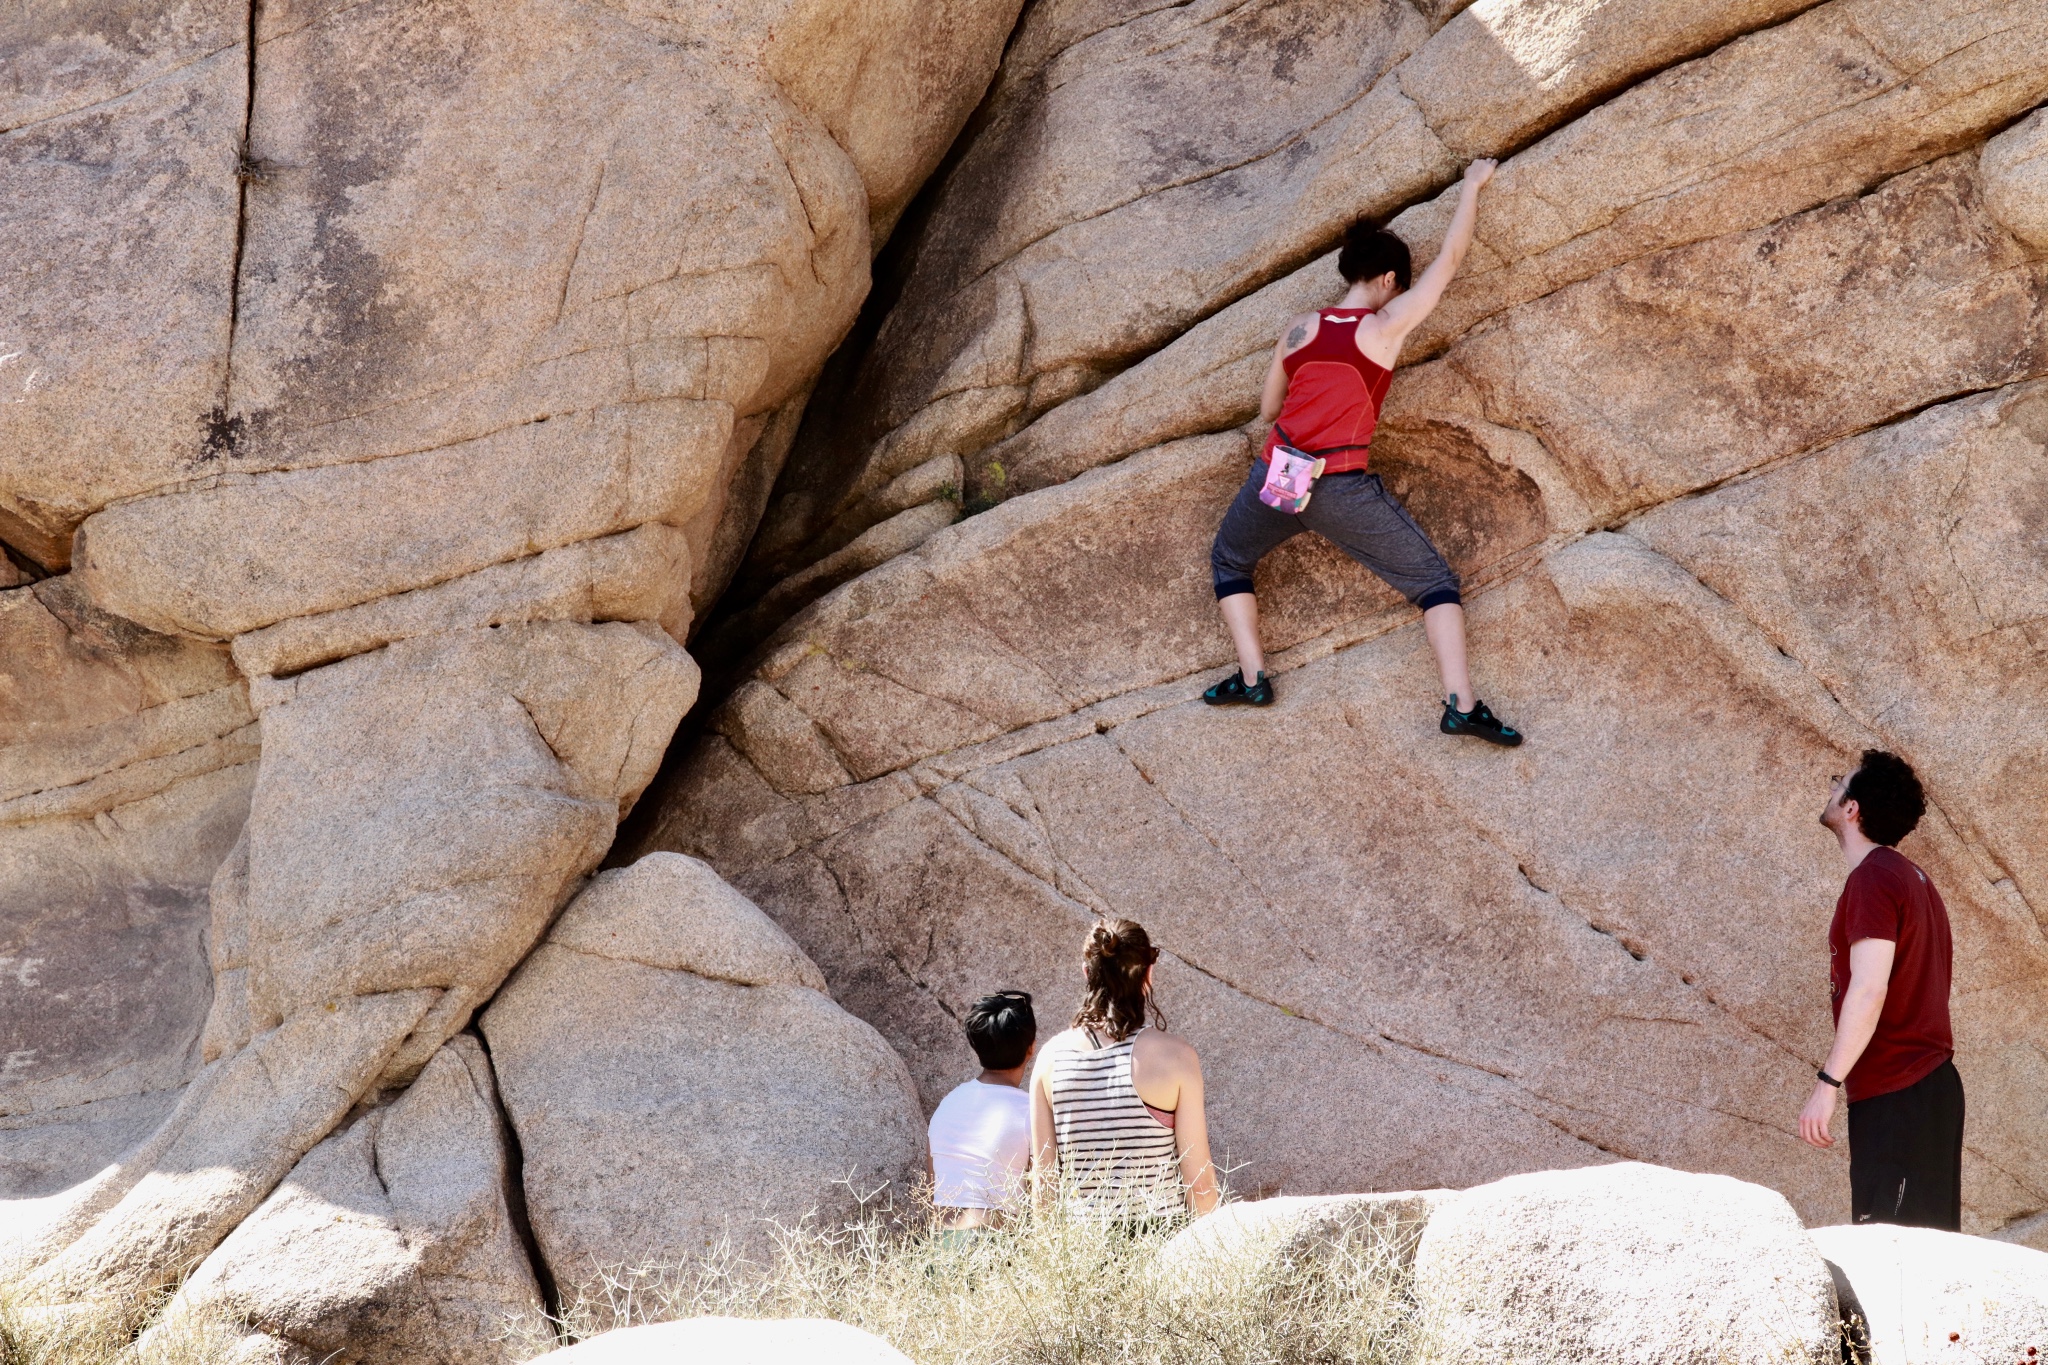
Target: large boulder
x=1825, y=106
x=1722, y=524
x=1261, y=1240
x=119, y=198
x=419, y=814
x=1022, y=749
x=735, y=1341
x=416, y=351
x=1940, y=1298
x=1622, y=1265
x=677, y=1077
x=389, y=1243
x=387, y=238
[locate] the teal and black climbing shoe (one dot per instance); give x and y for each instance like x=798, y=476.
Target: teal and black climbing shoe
x=1233, y=692
x=1480, y=723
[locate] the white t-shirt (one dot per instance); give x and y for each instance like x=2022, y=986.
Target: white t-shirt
x=981, y=1144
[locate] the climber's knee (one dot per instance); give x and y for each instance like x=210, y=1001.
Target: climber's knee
x=1232, y=587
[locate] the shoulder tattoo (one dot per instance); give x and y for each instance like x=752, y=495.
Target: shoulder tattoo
x=1297, y=336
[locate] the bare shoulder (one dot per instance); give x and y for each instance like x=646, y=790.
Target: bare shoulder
x=1301, y=330
x=1168, y=1050
x=1380, y=335
x=1064, y=1041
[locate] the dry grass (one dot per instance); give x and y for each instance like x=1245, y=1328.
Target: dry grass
x=109, y=1332
x=1050, y=1290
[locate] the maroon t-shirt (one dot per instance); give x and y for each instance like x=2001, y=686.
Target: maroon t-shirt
x=1888, y=897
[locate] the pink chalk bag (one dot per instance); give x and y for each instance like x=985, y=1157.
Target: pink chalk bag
x=1290, y=476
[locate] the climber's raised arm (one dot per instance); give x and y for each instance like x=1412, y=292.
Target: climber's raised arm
x=1405, y=311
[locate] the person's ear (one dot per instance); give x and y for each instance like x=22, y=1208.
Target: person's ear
x=1148, y=975
x=1853, y=813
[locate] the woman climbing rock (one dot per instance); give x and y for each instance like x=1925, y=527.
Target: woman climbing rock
x=1329, y=375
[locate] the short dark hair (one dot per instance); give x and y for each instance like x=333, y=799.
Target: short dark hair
x=1889, y=801
x=1001, y=1029
x=1370, y=251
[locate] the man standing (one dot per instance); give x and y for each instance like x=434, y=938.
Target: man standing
x=1890, y=957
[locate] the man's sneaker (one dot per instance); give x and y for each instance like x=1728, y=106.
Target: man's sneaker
x=1480, y=723
x=1233, y=692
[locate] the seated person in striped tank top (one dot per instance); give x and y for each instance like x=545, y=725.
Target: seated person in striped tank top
x=1117, y=1125
x=1329, y=375
x=981, y=1132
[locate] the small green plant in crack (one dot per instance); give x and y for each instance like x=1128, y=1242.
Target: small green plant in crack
x=989, y=492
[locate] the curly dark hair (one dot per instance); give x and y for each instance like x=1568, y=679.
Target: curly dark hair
x=1889, y=801
x=1370, y=251
x=1116, y=957
x=1001, y=1029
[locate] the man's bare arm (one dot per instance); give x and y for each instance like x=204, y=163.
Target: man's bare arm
x=1405, y=312
x=1870, y=976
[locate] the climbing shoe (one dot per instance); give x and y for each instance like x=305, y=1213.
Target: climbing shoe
x=1232, y=691
x=1480, y=723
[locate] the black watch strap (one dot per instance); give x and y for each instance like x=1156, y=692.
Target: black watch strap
x=1826, y=1079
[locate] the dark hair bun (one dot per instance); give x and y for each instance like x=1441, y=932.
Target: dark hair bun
x=1371, y=251
x=1115, y=959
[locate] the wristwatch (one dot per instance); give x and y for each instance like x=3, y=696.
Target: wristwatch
x=1826, y=1079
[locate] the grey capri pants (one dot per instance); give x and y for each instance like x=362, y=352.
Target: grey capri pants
x=1354, y=512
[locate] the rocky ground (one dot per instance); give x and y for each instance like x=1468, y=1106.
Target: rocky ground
x=429, y=427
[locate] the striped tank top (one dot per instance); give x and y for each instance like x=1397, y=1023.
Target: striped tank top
x=1116, y=1159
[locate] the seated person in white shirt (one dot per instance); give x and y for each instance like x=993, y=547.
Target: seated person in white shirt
x=981, y=1132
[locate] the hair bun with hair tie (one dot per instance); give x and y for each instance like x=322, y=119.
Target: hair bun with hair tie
x=1117, y=956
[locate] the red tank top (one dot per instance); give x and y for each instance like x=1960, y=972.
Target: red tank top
x=1333, y=395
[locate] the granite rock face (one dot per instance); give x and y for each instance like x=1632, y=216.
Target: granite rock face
x=2016, y=179
x=1037, y=278
x=387, y=387
x=391, y=1241
x=678, y=1077
x=418, y=815
x=1722, y=520
x=389, y=392
x=126, y=762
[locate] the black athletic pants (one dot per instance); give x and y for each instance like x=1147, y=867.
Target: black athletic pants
x=1906, y=1154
